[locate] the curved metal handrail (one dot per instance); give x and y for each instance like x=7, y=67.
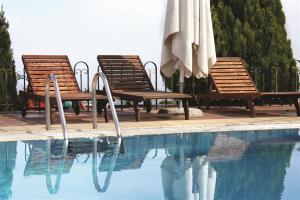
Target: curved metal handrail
x=110, y=100
x=111, y=166
x=62, y=165
x=155, y=66
x=87, y=70
x=52, y=77
x=98, y=70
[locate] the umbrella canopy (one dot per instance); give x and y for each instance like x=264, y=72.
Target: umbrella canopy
x=188, y=39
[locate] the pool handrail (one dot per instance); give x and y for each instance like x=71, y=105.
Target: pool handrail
x=52, y=77
x=110, y=100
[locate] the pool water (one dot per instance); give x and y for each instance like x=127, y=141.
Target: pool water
x=252, y=165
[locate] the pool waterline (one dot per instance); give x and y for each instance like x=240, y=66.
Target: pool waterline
x=146, y=128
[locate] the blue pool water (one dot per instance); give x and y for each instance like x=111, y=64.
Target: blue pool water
x=253, y=165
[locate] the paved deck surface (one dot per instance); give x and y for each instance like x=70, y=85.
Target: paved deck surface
x=14, y=127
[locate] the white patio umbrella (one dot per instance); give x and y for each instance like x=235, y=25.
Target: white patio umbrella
x=188, y=39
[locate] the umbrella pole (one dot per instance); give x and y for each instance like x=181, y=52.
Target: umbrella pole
x=181, y=82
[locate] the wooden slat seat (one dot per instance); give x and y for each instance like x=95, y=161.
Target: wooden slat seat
x=232, y=80
x=38, y=67
x=129, y=81
x=83, y=96
x=143, y=96
x=280, y=94
x=226, y=69
x=294, y=96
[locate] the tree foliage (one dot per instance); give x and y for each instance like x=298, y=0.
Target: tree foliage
x=255, y=31
x=8, y=94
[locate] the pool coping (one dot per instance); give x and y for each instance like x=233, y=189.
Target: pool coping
x=38, y=132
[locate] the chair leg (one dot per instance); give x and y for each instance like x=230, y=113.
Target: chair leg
x=24, y=101
x=101, y=106
x=106, y=114
x=148, y=105
x=247, y=104
x=76, y=107
x=296, y=103
x=52, y=112
x=39, y=107
x=207, y=104
x=136, y=110
x=186, y=109
x=251, y=106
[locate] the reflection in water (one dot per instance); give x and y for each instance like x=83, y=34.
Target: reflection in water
x=8, y=152
x=204, y=179
x=236, y=166
x=258, y=174
x=61, y=166
x=46, y=158
x=174, y=176
x=111, y=167
x=56, y=158
x=188, y=178
x=225, y=166
x=49, y=158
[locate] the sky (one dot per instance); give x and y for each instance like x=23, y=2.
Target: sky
x=82, y=29
x=292, y=13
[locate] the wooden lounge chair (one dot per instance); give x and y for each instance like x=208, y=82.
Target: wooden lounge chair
x=294, y=96
x=38, y=67
x=129, y=81
x=231, y=80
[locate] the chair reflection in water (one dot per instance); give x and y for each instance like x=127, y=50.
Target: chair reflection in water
x=237, y=159
x=190, y=166
x=56, y=157
x=49, y=158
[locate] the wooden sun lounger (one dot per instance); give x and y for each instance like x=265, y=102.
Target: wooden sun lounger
x=294, y=96
x=129, y=81
x=232, y=80
x=38, y=67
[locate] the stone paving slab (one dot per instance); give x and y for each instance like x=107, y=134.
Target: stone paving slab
x=14, y=127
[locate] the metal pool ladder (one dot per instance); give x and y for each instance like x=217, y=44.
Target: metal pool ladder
x=52, y=77
x=110, y=100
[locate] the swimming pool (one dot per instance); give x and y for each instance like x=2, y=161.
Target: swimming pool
x=238, y=165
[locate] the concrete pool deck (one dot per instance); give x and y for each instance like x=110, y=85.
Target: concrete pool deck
x=13, y=127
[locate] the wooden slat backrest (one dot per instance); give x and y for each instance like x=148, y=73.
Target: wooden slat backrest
x=38, y=67
x=230, y=75
x=125, y=72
